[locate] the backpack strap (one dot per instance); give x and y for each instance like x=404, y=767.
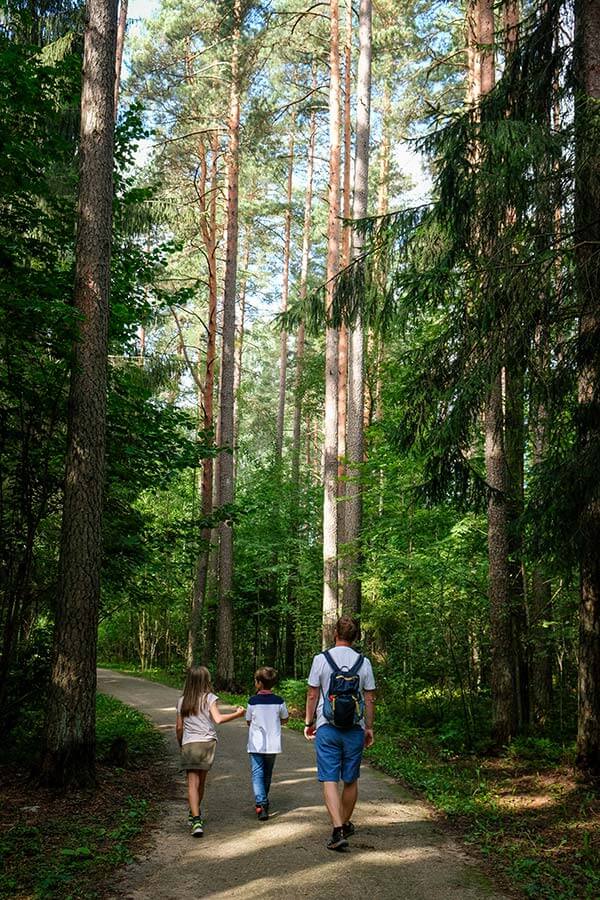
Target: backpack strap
x=353, y=671
x=356, y=667
x=329, y=659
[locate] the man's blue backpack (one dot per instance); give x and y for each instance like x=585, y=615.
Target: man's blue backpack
x=343, y=704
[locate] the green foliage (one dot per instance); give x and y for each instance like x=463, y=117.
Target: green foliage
x=66, y=856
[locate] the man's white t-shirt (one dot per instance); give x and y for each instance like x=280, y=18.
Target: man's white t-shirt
x=264, y=713
x=320, y=674
x=199, y=727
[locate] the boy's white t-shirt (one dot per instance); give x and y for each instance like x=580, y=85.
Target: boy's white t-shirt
x=320, y=674
x=199, y=727
x=264, y=712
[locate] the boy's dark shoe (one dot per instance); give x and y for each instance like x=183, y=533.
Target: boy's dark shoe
x=348, y=829
x=337, y=841
x=263, y=813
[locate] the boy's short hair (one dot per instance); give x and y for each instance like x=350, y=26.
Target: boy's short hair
x=347, y=629
x=267, y=676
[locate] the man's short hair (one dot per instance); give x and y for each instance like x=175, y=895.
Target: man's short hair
x=267, y=677
x=347, y=629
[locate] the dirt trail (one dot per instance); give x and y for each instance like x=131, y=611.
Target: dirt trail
x=397, y=851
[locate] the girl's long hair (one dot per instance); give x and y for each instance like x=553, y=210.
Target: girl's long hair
x=196, y=690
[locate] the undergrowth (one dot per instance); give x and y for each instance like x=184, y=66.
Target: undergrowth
x=63, y=847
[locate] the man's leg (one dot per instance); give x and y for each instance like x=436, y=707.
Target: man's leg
x=353, y=742
x=349, y=798
x=332, y=802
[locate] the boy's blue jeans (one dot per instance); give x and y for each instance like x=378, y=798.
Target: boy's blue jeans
x=261, y=767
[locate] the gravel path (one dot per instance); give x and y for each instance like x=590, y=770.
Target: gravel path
x=397, y=851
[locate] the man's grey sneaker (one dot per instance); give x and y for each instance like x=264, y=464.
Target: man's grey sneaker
x=263, y=813
x=348, y=829
x=197, y=827
x=337, y=841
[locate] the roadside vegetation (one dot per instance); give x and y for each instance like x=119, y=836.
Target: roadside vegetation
x=525, y=812
x=63, y=847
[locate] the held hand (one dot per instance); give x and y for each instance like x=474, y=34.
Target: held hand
x=240, y=711
x=369, y=738
x=309, y=732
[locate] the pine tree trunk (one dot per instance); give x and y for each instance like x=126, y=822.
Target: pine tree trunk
x=302, y=292
x=330, y=588
x=239, y=349
x=208, y=227
x=283, y=341
x=343, y=334
x=70, y=724
x=355, y=440
x=514, y=424
x=121, y=29
x=225, y=461
x=587, y=238
x=505, y=717
x=504, y=708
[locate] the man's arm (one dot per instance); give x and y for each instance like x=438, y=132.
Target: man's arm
x=312, y=699
x=369, y=716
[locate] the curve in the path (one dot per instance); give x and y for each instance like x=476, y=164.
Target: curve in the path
x=397, y=851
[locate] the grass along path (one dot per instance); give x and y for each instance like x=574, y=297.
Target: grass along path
x=68, y=847
x=398, y=849
x=526, y=814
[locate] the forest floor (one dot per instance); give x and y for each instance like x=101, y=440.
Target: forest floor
x=67, y=847
x=400, y=849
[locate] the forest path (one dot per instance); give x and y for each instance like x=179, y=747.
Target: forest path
x=398, y=850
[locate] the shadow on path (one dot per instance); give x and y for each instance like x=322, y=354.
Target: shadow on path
x=397, y=851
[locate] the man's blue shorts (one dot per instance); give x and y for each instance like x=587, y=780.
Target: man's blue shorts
x=339, y=753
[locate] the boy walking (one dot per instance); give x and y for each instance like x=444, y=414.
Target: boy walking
x=265, y=714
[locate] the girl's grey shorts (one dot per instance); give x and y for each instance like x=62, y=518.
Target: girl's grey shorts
x=198, y=755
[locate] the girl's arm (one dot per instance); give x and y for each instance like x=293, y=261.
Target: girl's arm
x=220, y=717
x=179, y=729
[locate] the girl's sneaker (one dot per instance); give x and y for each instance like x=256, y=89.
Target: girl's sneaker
x=197, y=829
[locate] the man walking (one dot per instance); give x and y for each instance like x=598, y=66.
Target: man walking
x=341, y=691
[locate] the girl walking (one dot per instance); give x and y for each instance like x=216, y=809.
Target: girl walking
x=197, y=714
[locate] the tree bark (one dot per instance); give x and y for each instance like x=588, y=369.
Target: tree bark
x=302, y=291
x=225, y=461
x=330, y=580
x=70, y=724
x=121, y=30
x=239, y=348
x=356, y=388
x=208, y=229
x=343, y=334
x=587, y=235
x=505, y=717
x=504, y=708
x=283, y=340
